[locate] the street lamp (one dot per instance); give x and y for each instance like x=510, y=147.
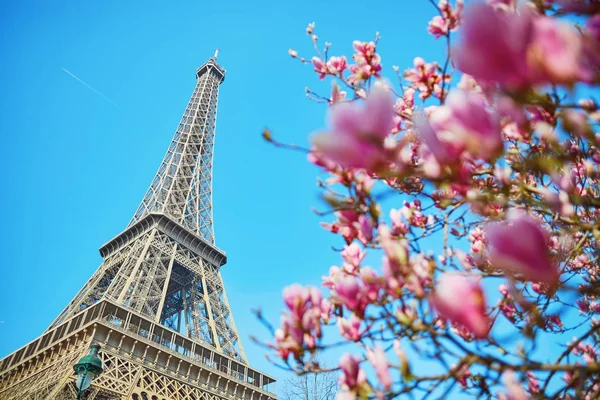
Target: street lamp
x=87, y=369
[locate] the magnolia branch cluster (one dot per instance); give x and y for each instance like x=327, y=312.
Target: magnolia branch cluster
x=472, y=185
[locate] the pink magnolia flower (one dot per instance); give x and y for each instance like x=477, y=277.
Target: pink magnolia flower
x=295, y=296
x=315, y=158
x=320, y=67
x=398, y=225
x=427, y=160
x=337, y=95
x=337, y=65
x=378, y=360
x=353, y=378
x=440, y=25
x=520, y=246
x=531, y=49
x=460, y=299
x=553, y=321
x=569, y=379
x=425, y=77
x=353, y=254
x=355, y=292
x=288, y=338
x=364, y=49
x=347, y=292
x=357, y=136
x=335, y=273
x=394, y=280
x=301, y=326
x=514, y=390
x=365, y=229
x=351, y=225
x=587, y=351
x=326, y=308
x=556, y=52
x=395, y=250
x=533, y=385
x=404, y=108
x=464, y=259
x=368, y=62
x=488, y=56
x=364, y=183
x=362, y=71
x=371, y=283
x=420, y=274
x=463, y=124
x=463, y=375
x=350, y=328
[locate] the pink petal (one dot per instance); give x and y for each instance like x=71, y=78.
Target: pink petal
x=379, y=112
x=346, y=119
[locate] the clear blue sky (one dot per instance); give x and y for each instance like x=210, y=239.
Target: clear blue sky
x=75, y=165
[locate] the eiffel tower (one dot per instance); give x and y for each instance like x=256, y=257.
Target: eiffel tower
x=156, y=305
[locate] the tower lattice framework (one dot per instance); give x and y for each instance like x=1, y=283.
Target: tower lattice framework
x=157, y=303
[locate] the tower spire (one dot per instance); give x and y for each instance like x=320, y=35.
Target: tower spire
x=216, y=53
x=182, y=187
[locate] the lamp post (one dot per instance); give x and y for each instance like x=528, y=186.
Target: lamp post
x=87, y=369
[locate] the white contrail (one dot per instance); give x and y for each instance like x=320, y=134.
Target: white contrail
x=91, y=88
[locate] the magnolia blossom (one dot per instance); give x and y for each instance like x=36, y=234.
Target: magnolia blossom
x=440, y=25
x=350, y=328
x=353, y=380
x=320, y=67
x=533, y=385
x=301, y=326
x=531, y=49
x=489, y=56
x=353, y=254
x=425, y=77
x=357, y=135
x=368, y=62
x=555, y=53
x=460, y=299
x=463, y=124
x=404, y=108
x=378, y=360
x=371, y=282
x=337, y=95
x=519, y=246
x=514, y=390
x=463, y=374
x=355, y=292
x=336, y=65
x=351, y=225
x=347, y=292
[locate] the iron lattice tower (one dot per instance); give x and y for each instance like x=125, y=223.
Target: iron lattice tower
x=157, y=303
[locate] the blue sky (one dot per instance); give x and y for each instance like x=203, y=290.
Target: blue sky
x=77, y=163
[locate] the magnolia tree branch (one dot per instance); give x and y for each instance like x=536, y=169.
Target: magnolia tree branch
x=481, y=201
